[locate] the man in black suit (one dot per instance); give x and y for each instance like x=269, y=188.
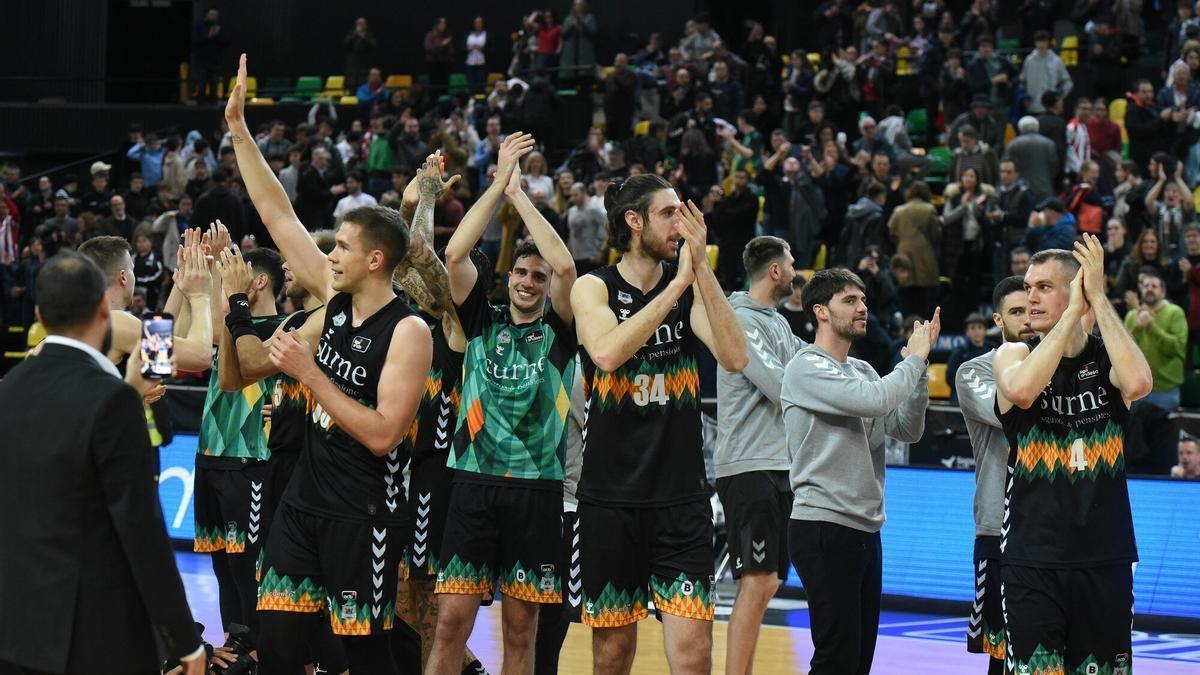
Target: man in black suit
x=87, y=577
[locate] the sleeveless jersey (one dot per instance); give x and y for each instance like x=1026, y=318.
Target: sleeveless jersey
x=642, y=434
x=292, y=403
x=516, y=396
x=231, y=425
x=336, y=476
x=1067, y=499
x=433, y=428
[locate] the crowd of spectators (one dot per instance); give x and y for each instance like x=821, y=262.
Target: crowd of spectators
x=905, y=146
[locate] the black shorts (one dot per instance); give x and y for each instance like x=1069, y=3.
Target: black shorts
x=347, y=567
x=573, y=595
x=428, y=499
x=230, y=508
x=757, y=507
x=510, y=533
x=985, y=630
x=1069, y=620
x=283, y=465
x=629, y=553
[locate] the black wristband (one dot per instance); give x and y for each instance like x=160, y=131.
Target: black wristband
x=239, y=320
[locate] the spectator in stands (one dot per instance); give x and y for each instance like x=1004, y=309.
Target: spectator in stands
x=1019, y=261
x=408, y=148
x=1050, y=226
x=1104, y=134
x=170, y=226
x=990, y=79
x=952, y=83
x=201, y=180
x=275, y=142
x=354, y=198
x=1083, y=199
x=795, y=203
x=1170, y=209
x=974, y=154
x=137, y=197
x=1035, y=157
x=209, y=40
x=988, y=129
x=486, y=151
x=588, y=231
x=733, y=217
x=864, y=224
x=220, y=203
x=1148, y=127
x=1146, y=253
x=1175, y=35
x=1013, y=205
x=439, y=52
x=360, y=46
x=149, y=151
x=476, y=64
x=26, y=279
x=792, y=310
x=1160, y=329
x=1052, y=125
x=549, y=42
x=620, y=99
x=147, y=266
x=727, y=94
x=916, y=230
x=699, y=161
x=319, y=187
x=929, y=71
x=579, y=31
x=1188, y=467
x=41, y=201
x=1128, y=177
x=1183, y=286
x=976, y=345
x=174, y=172
x=697, y=44
x=371, y=94
x=871, y=141
x=118, y=223
x=966, y=226
x=1044, y=71
x=1116, y=248
x=61, y=219
x=1078, y=139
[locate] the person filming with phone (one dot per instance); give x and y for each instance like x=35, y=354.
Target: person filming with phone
x=83, y=531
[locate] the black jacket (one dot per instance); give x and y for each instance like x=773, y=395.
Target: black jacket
x=221, y=203
x=87, y=575
x=314, y=201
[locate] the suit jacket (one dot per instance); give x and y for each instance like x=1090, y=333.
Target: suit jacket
x=87, y=577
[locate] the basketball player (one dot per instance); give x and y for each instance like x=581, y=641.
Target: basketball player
x=752, y=457
x=505, y=512
x=339, y=533
x=189, y=305
x=1067, y=543
x=837, y=410
x=645, y=524
x=232, y=475
x=976, y=387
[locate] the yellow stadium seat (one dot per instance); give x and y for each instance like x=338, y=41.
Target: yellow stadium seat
x=819, y=260
x=1116, y=110
x=712, y=252
x=335, y=86
x=398, y=82
x=814, y=58
x=251, y=85
x=348, y=100
x=1070, y=42
x=261, y=101
x=494, y=77
x=807, y=274
x=938, y=387
x=1196, y=197
x=641, y=128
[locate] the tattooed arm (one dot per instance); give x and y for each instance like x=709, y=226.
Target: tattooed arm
x=422, y=274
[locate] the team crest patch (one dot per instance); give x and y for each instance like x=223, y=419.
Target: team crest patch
x=504, y=338
x=547, y=582
x=360, y=344
x=624, y=298
x=349, y=606
x=340, y=319
x=1089, y=371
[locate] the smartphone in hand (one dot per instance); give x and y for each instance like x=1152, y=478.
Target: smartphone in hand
x=157, y=345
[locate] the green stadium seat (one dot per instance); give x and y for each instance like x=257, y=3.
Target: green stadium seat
x=940, y=165
x=308, y=87
x=1009, y=45
x=917, y=124
x=277, y=87
x=458, y=81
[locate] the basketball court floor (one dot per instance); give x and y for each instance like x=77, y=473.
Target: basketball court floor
x=908, y=643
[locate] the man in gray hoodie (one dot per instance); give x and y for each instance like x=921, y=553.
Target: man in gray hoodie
x=836, y=411
x=751, y=457
x=976, y=386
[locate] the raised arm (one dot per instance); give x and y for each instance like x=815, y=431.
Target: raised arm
x=1130, y=372
x=193, y=342
x=1021, y=374
x=382, y=428
x=458, y=251
x=550, y=246
x=610, y=343
x=713, y=319
x=421, y=273
x=305, y=259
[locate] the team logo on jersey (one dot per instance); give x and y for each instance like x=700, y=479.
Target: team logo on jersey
x=349, y=606
x=1089, y=371
x=547, y=582
x=535, y=337
x=504, y=338
x=624, y=313
x=624, y=298
x=340, y=319
x=360, y=344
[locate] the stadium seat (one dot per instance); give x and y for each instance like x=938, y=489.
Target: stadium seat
x=348, y=100
x=641, y=128
x=262, y=101
x=458, y=81
x=713, y=253
x=939, y=388
x=335, y=86
x=398, y=82
x=494, y=77
x=1196, y=196
x=903, y=65
x=308, y=87
x=1116, y=110
x=277, y=87
x=1009, y=45
x=819, y=260
x=251, y=85
x=940, y=155
x=918, y=126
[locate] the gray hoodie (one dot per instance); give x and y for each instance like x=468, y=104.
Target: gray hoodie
x=750, y=435
x=836, y=415
x=976, y=387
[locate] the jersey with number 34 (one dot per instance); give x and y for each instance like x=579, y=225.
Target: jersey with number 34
x=1067, y=502
x=642, y=436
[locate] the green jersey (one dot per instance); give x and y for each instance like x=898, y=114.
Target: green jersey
x=516, y=395
x=231, y=425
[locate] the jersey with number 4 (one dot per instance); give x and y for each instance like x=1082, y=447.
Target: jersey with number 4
x=1067, y=502
x=642, y=437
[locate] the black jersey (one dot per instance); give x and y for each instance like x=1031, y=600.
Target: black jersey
x=643, y=444
x=1067, y=502
x=337, y=477
x=291, y=403
x=432, y=429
